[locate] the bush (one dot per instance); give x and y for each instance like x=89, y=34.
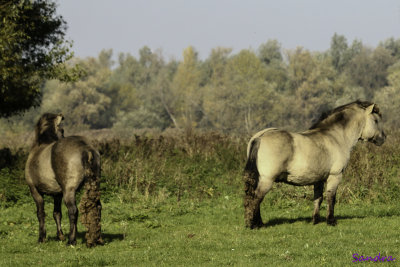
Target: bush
x=175, y=165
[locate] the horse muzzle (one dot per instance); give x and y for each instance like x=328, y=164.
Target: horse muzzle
x=379, y=140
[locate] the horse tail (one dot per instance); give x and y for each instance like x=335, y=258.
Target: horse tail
x=91, y=163
x=90, y=205
x=251, y=176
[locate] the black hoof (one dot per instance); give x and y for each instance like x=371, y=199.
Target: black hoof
x=316, y=219
x=332, y=222
x=61, y=237
x=71, y=243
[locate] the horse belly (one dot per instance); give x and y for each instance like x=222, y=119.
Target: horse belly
x=305, y=179
x=307, y=172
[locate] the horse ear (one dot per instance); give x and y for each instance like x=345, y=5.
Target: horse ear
x=60, y=117
x=370, y=109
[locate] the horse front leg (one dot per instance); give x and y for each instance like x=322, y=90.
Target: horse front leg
x=331, y=187
x=38, y=197
x=58, y=216
x=69, y=199
x=318, y=196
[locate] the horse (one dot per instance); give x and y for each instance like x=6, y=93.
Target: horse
x=59, y=166
x=313, y=157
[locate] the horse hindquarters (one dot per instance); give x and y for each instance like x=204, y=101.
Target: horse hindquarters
x=251, y=176
x=268, y=159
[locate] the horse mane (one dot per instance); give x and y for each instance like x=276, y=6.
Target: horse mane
x=337, y=115
x=45, y=129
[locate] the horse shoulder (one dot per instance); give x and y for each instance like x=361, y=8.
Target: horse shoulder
x=310, y=156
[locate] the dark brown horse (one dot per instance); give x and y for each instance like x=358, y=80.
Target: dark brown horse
x=59, y=166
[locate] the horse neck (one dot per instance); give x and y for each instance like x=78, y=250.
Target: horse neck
x=45, y=138
x=348, y=135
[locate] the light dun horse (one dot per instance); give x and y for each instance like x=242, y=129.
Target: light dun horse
x=59, y=166
x=312, y=157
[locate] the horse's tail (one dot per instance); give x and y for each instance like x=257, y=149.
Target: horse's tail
x=251, y=176
x=90, y=205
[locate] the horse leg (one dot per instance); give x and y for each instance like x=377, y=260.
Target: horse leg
x=318, y=192
x=38, y=197
x=69, y=199
x=331, y=187
x=253, y=201
x=57, y=216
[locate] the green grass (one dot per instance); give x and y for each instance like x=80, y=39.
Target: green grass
x=176, y=200
x=208, y=232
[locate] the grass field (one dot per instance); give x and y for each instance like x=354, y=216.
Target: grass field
x=177, y=201
x=209, y=232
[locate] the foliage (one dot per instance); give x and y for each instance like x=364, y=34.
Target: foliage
x=198, y=166
x=32, y=49
x=232, y=93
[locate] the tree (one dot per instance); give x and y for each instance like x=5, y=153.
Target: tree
x=32, y=49
x=270, y=52
x=84, y=102
x=393, y=46
x=241, y=100
x=368, y=69
x=389, y=98
x=185, y=109
x=338, y=51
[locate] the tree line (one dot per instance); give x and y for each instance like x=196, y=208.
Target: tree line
x=230, y=92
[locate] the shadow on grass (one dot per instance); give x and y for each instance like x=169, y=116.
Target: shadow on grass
x=108, y=238
x=279, y=221
x=308, y=219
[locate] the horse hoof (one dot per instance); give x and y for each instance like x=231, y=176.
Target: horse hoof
x=61, y=237
x=42, y=239
x=257, y=226
x=71, y=243
x=332, y=222
x=316, y=220
x=90, y=245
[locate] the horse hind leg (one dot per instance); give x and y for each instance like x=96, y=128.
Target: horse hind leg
x=57, y=216
x=252, y=214
x=318, y=196
x=69, y=199
x=38, y=197
x=255, y=194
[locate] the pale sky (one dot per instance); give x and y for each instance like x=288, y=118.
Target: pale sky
x=172, y=25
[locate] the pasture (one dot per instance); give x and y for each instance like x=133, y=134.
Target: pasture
x=177, y=199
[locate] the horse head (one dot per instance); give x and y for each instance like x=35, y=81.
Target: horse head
x=48, y=128
x=373, y=129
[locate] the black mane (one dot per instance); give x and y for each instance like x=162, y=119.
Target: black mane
x=338, y=115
